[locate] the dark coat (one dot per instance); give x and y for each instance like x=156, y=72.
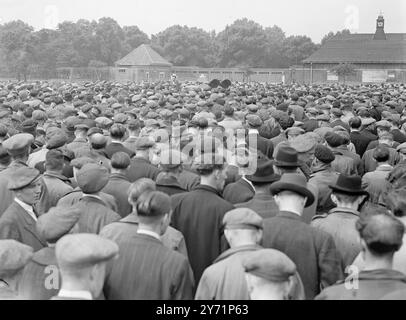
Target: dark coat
x=341, y=123
x=169, y=185
x=264, y=145
x=262, y=204
x=370, y=163
x=141, y=168
x=360, y=141
x=125, y=229
x=398, y=136
x=147, y=270
x=118, y=186
x=372, y=285
x=115, y=147
x=188, y=180
x=95, y=215
x=354, y=156
x=199, y=216
x=17, y=224
x=74, y=197
x=32, y=285
x=340, y=224
x=322, y=179
x=310, y=125
x=57, y=185
x=313, y=251
x=238, y=192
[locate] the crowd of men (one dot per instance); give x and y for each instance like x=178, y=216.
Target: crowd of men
x=219, y=191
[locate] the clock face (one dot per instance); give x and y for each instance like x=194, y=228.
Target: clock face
x=380, y=24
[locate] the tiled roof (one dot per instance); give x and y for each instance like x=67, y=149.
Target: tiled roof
x=361, y=48
x=144, y=55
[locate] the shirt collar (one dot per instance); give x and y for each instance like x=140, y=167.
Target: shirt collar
x=384, y=167
x=249, y=182
x=149, y=233
x=80, y=294
x=253, y=131
x=344, y=210
x=27, y=208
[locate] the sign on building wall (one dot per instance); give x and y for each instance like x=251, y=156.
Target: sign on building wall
x=374, y=76
x=331, y=76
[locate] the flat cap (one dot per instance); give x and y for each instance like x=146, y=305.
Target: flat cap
x=207, y=162
x=337, y=112
x=170, y=159
x=254, y=120
x=242, y=218
x=57, y=222
x=120, y=118
x=13, y=257
x=103, y=121
x=294, y=131
x=383, y=124
x=401, y=148
x=252, y=108
x=324, y=154
x=78, y=163
x=303, y=143
x=91, y=178
x=82, y=126
x=333, y=139
x=23, y=177
x=82, y=250
x=18, y=143
x=323, y=117
x=39, y=115
x=144, y=143
x=269, y=264
x=368, y=121
x=57, y=141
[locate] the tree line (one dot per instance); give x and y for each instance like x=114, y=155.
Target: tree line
x=101, y=43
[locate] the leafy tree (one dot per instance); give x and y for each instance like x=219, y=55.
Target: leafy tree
x=134, y=37
x=242, y=43
x=184, y=46
x=331, y=35
x=343, y=70
x=298, y=48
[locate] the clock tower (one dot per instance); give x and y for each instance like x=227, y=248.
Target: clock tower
x=380, y=24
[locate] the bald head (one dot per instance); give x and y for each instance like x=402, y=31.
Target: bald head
x=98, y=141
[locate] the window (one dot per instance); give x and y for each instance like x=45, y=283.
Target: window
x=147, y=75
x=122, y=70
x=161, y=75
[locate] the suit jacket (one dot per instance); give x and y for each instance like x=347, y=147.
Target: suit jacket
x=126, y=228
x=199, y=214
x=375, y=183
x=370, y=163
x=310, y=125
x=115, y=147
x=32, y=285
x=262, y=204
x=77, y=144
x=264, y=145
x=169, y=185
x=238, y=192
x=95, y=215
x=372, y=285
x=118, y=186
x=340, y=224
x=74, y=197
x=57, y=185
x=321, y=179
x=188, y=180
x=130, y=143
x=360, y=141
x=142, y=168
x=17, y=224
x=354, y=156
x=343, y=164
x=147, y=270
x=313, y=251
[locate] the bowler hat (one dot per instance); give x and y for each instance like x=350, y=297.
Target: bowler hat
x=293, y=182
x=286, y=157
x=349, y=185
x=264, y=173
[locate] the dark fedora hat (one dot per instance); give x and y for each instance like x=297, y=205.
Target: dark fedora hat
x=264, y=172
x=349, y=185
x=286, y=157
x=293, y=182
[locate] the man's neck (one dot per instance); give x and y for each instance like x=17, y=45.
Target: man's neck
x=207, y=182
x=354, y=130
x=375, y=264
x=349, y=206
x=116, y=141
x=295, y=210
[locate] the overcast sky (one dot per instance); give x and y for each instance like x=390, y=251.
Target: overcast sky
x=313, y=18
